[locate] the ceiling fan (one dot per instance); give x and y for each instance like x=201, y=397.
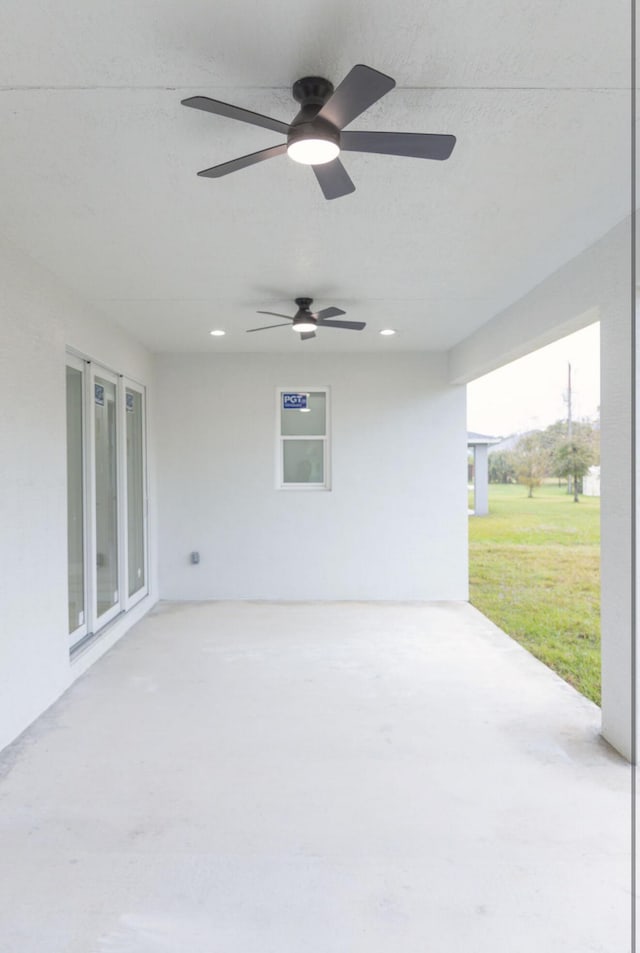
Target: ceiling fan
x=316, y=135
x=306, y=321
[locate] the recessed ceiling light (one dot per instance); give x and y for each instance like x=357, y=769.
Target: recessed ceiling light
x=218, y=333
x=387, y=332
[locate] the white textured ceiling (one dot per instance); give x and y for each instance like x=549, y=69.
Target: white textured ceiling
x=98, y=160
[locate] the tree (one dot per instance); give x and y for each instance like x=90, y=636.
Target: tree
x=584, y=431
x=572, y=459
x=502, y=467
x=531, y=460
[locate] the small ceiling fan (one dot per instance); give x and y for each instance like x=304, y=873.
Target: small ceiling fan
x=306, y=321
x=315, y=137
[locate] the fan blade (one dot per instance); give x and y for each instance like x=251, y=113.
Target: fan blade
x=236, y=164
x=334, y=179
x=306, y=335
x=360, y=88
x=275, y=314
x=329, y=313
x=419, y=145
x=235, y=112
x=268, y=328
x=350, y=325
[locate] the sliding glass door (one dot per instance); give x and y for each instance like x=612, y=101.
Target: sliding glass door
x=106, y=496
x=136, y=496
x=105, y=450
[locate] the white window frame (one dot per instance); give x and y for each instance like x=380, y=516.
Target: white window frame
x=93, y=623
x=80, y=632
x=325, y=438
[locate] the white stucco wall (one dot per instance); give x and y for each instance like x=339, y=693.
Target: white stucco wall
x=38, y=320
x=393, y=526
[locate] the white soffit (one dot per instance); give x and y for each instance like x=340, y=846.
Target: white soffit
x=99, y=160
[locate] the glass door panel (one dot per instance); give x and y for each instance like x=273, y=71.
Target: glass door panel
x=135, y=492
x=75, y=501
x=106, y=495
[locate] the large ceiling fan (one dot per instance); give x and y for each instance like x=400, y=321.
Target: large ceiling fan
x=306, y=321
x=316, y=135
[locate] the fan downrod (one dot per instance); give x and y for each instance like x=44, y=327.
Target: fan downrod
x=304, y=303
x=312, y=91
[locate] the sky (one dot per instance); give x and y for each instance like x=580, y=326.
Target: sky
x=530, y=393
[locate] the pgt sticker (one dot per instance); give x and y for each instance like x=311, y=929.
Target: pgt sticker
x=294, y=401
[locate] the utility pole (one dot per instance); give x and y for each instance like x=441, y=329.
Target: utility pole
x=569, y=421
x=569, y=429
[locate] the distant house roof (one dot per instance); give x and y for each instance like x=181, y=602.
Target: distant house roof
x=511, y=442
x=475, y=439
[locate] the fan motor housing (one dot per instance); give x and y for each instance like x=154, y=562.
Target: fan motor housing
x=304, y=312
x=312, y=93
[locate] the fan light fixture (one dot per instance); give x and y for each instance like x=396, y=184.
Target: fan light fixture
x=313, y=151
x=304, y=325
x=306, y=322
x=387, y=332
x=218, y=333
x=317, y=134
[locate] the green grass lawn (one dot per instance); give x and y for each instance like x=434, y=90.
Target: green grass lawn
x=534, y=567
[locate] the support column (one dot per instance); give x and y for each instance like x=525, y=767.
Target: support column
x=616, y=519
x=480, y=479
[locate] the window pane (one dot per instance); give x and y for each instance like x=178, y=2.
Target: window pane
x=305, y=423
x=135, y=491
x=106, y=495
x=75, y=503
x=303, y=461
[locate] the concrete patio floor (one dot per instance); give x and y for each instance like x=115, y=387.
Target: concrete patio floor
x=315, y=778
